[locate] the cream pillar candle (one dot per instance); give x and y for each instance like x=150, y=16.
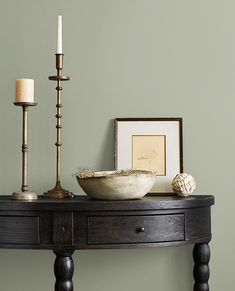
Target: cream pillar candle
x=24, y=90
x=59, y=35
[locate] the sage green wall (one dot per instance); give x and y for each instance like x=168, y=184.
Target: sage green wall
x=126, y=58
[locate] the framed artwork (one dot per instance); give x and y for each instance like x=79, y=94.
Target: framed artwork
x=154, y=144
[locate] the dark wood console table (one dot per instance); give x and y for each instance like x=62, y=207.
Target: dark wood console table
x=82, y=223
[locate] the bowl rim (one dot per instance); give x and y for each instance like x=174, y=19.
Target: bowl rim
x=119, y=173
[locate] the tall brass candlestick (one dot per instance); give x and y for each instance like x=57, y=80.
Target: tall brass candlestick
x=58, y=192
x=24, y=194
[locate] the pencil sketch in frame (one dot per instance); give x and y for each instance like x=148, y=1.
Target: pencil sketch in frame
x=154, y=144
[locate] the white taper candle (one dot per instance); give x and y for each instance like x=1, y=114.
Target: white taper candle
x=59, y=35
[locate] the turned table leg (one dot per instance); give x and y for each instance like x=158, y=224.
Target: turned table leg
x=63, y=269
x=201, y=271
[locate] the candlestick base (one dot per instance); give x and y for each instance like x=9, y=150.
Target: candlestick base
x=24, y=196
x=58, y=193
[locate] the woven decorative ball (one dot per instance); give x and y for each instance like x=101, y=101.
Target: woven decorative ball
x=183, y=184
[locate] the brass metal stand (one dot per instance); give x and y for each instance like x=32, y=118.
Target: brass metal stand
x=58, y=192
x=24, y=194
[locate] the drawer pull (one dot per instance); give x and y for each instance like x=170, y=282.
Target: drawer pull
x=140, y=229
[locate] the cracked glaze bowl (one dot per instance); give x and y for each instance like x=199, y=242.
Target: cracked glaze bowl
x=111, y=185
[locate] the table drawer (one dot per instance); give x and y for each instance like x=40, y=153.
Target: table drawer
x=134, y=229
x=19, y=230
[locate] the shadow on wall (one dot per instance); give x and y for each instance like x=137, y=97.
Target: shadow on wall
x=105, y=160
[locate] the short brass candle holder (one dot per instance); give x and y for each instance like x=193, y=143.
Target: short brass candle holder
x=24, y=194
x=58, y=192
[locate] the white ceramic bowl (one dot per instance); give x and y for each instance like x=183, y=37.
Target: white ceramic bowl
x=110, y=185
